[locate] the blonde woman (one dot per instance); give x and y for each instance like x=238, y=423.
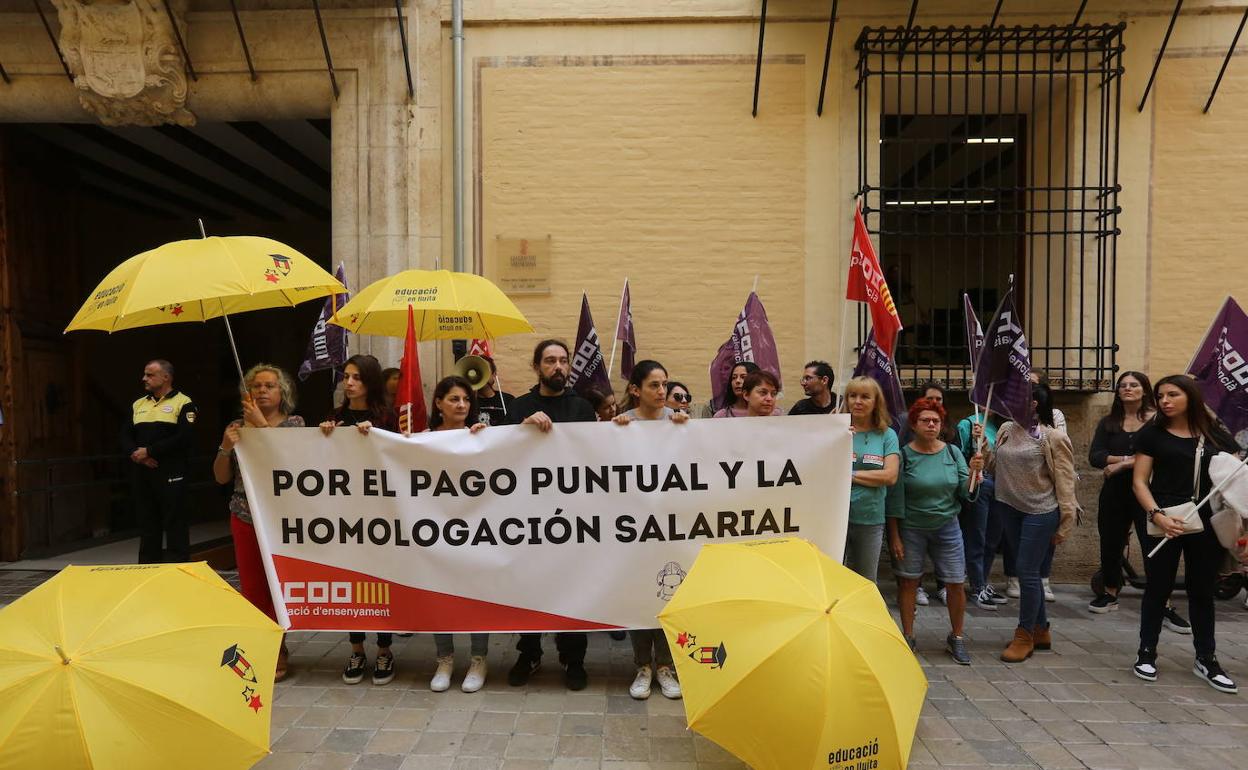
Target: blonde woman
x=268, y=396
x=876, y=461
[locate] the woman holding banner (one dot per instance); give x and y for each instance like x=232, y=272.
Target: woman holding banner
x=1172, y=455
x=923, y=519
x=647, y=400
x=268, y=400
x=364, y=406
x=455, y=408
x=1035, y=500
x=876, y=462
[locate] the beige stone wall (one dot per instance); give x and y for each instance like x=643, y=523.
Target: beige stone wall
x=1197, y=248
x=647, y=168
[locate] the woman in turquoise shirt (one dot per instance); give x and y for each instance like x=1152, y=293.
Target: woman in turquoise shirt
x=876, y=460
x=923, y=520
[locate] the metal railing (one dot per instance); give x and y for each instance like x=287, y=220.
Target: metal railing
x=989, y=152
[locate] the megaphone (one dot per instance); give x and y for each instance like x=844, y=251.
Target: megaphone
x=475, y=369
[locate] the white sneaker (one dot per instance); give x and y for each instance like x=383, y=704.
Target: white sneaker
x=942, y=595
x=1012, y=589
x=920, y=597
x=1048, y=592
x=640, y=688
x=475, y=678
x=441, y=681
x=668, y=684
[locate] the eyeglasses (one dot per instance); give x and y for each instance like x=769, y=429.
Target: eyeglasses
x=681, y=398
x=809, y=377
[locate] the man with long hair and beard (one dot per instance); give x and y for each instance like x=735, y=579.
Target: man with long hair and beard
x=551, y=401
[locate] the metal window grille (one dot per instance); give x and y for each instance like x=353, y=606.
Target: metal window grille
x=990, y=152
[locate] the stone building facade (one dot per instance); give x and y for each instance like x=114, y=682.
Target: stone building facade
x=621, y=130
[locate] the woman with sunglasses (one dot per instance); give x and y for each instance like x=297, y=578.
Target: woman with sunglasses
x=679, y=398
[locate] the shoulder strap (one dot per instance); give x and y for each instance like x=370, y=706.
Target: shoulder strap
x=1200, y=451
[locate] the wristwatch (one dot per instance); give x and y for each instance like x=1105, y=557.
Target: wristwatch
x=225, y=452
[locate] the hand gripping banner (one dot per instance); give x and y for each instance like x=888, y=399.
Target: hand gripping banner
x=591, y=526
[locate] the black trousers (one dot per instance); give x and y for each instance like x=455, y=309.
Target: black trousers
x=1118, y=512
x=160, y=508
x=1202, y=556
x=570, y=644
x=383, y=638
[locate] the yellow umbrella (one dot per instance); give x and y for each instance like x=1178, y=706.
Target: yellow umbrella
x=789, y=660
x=195, y=280
x=447, y=306
x=137, y=666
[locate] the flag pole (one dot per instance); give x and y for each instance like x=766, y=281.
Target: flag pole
x=616, y=334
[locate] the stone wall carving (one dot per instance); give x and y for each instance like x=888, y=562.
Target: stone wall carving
x=125, y=60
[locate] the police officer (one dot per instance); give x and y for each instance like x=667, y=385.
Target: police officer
x=158, y=440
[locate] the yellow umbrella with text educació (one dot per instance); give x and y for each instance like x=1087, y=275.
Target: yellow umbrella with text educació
x=141, y=667
x=200, y=279
x=446, y=305
x=789, y=660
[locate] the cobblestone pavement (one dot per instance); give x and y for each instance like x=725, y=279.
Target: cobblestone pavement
x=1078, y=706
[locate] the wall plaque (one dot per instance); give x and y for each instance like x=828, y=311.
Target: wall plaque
x=522, y=265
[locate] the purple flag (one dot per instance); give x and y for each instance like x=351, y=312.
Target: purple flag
x=974, y=332
x=751, y=340
x=1004, y=367
x=589, y=368
x=1221, y=368
x=327, y=349
x=873, y=362
x=624, y=333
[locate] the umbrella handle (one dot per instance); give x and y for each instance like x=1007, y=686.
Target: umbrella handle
x=59, y=651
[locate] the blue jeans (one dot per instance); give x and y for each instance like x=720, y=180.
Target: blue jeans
x=975, y=533
x=862, y=549
x=943, y=545
x=1030, y=534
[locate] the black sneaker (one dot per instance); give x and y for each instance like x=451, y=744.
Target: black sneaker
x=1146, y=665
x=1175, y=622
x=524, y=668
x=354, y=672
x=618, y=636
x=383, y=669
x=574, y=675
x=1103, y=604
x=995, y=597
x=910, y=640
x=1209, y=670
x=956, y=647
x=984, y=599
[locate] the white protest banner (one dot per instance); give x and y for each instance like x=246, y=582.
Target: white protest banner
x=588, y=527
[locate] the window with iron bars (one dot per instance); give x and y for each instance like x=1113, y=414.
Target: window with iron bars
x=986, y=153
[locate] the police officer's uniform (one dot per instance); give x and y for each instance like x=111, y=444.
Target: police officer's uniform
x=166, y=427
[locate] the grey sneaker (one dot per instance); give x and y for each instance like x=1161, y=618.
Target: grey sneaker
x=920, y=597
x=956, y=647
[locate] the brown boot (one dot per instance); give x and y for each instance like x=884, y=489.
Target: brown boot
x=1020, y=649
x=1041, y=638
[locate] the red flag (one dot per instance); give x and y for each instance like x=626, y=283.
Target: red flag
x=480, y=348
x=410, y=398
x=866, y=284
